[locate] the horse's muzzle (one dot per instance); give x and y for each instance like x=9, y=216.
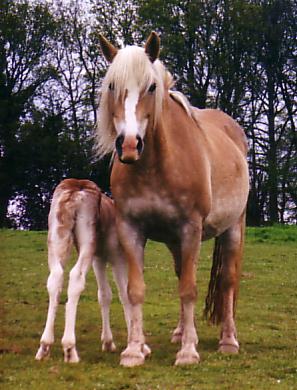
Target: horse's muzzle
x=129, y=148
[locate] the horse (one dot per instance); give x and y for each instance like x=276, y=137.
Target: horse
x=179, y=176
x=82, y=215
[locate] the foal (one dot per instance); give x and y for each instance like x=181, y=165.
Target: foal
x=80, y=214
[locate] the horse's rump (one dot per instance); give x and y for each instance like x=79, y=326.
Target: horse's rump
x=68, y=199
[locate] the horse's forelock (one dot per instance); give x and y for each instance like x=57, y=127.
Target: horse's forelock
x=132, y=64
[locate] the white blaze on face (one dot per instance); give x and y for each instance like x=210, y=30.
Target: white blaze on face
x=131, y=125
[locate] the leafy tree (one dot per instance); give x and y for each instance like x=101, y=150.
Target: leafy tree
x=237, y=55
x=25, y=30
x=275, y=54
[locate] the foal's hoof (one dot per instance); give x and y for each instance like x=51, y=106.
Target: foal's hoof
x=71, y=355
x=229, y=348
x=43, y=352
x=132, y=358
x=108, y=346
x=186, y=357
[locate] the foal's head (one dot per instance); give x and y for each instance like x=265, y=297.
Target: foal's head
x=131, y=97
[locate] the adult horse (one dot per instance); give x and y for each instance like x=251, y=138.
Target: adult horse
x=179, y=176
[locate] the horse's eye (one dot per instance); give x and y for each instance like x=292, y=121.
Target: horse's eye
x=152, y=88
x=111, y=86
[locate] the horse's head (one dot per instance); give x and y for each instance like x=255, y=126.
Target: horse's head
x=131, y=94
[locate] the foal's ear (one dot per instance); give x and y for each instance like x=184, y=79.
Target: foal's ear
x=109, y=51
x=152, y=46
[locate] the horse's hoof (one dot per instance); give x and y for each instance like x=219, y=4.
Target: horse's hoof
x=186, y=357
x=108, y=346
x=146, y=350
x=71, y=355
x=43, y=352
x=229, y=348
x=132, y=358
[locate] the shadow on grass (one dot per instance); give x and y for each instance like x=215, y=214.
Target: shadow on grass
x=208, y=344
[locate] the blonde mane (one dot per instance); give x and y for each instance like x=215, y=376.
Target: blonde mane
x=130, y=63
x=182, y=100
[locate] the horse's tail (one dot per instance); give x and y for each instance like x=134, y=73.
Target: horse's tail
x=213, y=302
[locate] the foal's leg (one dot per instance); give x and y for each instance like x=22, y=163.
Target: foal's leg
x=77, y=279
x=190, y=245
x=231, y=248
x=120, y=275
x=59, y=248
x=133, y=247
x=104, y=299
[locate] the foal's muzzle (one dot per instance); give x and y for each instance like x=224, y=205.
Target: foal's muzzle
x=129, y=148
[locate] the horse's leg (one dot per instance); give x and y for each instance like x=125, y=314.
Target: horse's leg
x=77, y=279
x=231, y=243
x=104, y=299
x=121, y=278
x=178, y=331
x=58, y=252
x=190, y=245
x=132, y=243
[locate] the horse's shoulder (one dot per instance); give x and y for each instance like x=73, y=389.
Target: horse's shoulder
x=221, y=122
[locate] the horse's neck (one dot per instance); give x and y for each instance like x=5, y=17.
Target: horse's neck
x=161, y=140
x=156, y=146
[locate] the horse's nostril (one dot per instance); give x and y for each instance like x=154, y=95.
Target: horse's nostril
x=119, y=144
x=139, y=144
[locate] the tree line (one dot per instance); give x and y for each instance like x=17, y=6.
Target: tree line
x=239, y=56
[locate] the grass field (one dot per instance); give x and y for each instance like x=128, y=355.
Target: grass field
x=266, y=322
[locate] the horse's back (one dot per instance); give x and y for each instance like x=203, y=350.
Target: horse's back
x=221, y=122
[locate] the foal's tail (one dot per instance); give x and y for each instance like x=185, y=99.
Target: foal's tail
x=213, y=302
x=72, y=194
x=67, y=208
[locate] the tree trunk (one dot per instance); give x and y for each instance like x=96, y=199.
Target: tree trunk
x=272, y=155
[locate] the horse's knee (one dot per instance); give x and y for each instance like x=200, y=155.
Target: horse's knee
x=77, y=281
x=104, y=295
x=55, y=280
x=188, y=292
x=229, y=277
x=136, y=291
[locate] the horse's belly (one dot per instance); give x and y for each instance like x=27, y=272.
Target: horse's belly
x=224, y=213
x=157, y=216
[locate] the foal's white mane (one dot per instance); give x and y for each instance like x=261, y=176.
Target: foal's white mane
x=131, y=63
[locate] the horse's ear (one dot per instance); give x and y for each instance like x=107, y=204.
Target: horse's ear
x=109, y=51
x=152, y=46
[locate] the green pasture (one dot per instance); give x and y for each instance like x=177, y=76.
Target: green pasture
x=266, y=322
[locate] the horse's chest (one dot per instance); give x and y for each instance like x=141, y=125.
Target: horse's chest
x=151, y=206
